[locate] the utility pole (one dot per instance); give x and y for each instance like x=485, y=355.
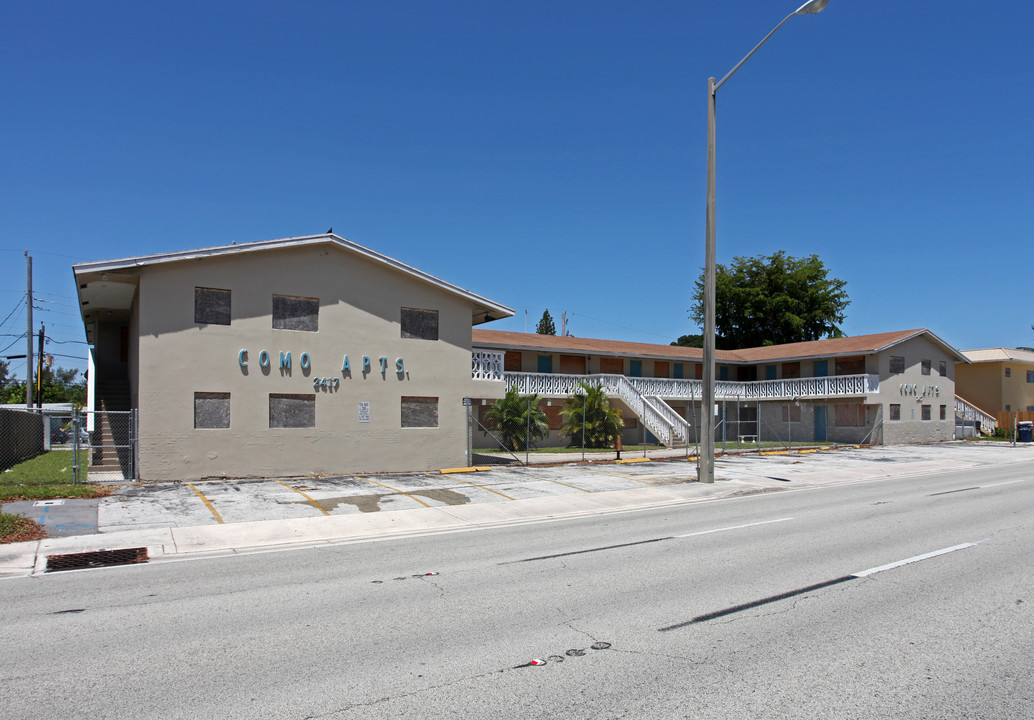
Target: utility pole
x=563, y=324
x=39, y=369
x=28, y=332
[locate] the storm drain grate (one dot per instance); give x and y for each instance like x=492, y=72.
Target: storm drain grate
x=99, y=558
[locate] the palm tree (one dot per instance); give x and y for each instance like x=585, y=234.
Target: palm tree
x=518, y=418
x=590, y=406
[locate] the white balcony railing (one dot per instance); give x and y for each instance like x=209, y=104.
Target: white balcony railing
x=968, y=411
x=486, y=365
x=551, y=384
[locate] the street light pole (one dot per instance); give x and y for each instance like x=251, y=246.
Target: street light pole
x=705, y=468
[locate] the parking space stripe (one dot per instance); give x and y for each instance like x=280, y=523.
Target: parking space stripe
x=313, y=502
x=573, y=487
x=482, y=487
x=395, y=490
x=218, y=517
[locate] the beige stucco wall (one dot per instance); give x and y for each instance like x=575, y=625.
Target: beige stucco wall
x=359, y=315
x=911, y=389
x=981, y=384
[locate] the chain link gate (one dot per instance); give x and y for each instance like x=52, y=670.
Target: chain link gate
x=106, y=445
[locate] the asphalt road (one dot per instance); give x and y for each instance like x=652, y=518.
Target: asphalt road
x=777, y=605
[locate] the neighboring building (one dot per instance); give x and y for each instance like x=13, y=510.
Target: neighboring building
x=892, y=387
x=301, y=356
x=997, y=380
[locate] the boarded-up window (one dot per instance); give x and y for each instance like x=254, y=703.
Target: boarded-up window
x=512, y=361
x=925, y=366
x=791, y=370
x=699, y=372
x=851, y=365
x=849, y=415
x=419, y=412
x=895, y=411
x=942, y=369
x=292, y=411
x=791, y=413
x=296, y=313
x=612, y=366
x=211, y=410
x=211, y=306
x=926, y=412
x=572, y=365
x=944, y=412
x=897, y=364
x=661, y=368
x=419, y=324
x=553, y=417
x=747, y=374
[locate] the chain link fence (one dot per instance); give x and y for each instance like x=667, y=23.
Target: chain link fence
x=41, y=446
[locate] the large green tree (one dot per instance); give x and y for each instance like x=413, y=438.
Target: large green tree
x=772, y=300
x=590, y=408
x=56, y=386
x=518, y=419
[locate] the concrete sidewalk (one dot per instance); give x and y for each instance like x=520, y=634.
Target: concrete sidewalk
x=338, y=510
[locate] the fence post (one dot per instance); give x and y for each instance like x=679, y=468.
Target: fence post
x=584, y=403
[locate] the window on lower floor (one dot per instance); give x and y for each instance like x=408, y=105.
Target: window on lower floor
x=944, y=412
x=895, y=411
x=791, y=413
x=292, y=411
x=296, y=313
x=419, y=412
x=211, y=410
x=849, y=415
x=926, y=412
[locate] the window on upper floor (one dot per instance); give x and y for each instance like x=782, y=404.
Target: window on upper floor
x=296, y=313
x=925, y=366
x=942, y=368
x=897, y=364
x=211, y=306
x=419, y=324
x=1030, y=376
x=1008, y=372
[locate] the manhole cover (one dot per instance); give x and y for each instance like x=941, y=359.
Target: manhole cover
x=99, y=558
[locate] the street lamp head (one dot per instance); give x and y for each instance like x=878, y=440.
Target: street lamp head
x=811, y=7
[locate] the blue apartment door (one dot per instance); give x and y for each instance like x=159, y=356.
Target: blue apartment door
x=821, y=368
x=820, y=423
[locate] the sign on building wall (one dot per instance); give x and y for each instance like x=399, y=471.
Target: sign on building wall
x=364, y=412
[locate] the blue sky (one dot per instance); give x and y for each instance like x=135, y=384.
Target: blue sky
x=543, y=154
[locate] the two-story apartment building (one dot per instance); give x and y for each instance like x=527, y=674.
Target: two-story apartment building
x=300, y=356
x=889, y=387
x=998, y=380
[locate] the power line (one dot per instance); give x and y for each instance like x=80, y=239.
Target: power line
x=17, y=307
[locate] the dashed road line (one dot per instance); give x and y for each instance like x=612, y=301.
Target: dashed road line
x=817, y=586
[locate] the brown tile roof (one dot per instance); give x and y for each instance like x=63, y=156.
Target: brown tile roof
x=834, y=347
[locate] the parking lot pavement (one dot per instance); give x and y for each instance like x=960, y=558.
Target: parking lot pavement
x=213, y=502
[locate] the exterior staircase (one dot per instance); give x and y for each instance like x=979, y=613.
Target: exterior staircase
x=112, y=436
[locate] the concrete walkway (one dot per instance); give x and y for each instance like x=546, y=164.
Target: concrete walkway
x=176, y=520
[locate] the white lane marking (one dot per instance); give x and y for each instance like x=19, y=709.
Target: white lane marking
x=917, y=558
x=731, y=527
x=1007, y=482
